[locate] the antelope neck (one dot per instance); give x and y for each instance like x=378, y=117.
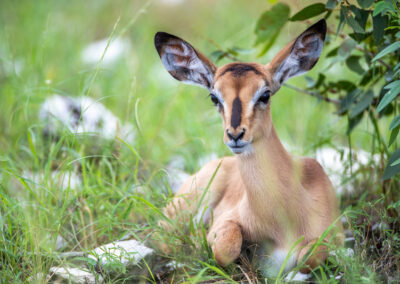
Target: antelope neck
x=267, y=172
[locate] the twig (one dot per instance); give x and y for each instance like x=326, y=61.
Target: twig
x=373, y=55
x=226, y=54
x=245, y=274
x=316, y=95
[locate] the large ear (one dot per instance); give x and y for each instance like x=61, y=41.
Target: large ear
x=300, y=55
x=184, y=62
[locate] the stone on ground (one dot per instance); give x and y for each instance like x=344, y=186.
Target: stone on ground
x=73, y=275
x=130, y=254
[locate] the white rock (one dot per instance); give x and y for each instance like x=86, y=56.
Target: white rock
x=176, y=178
x=61, y=243
x=348, y=233
x=126, y=252
x=37, y=278
x=337, y=165
x=349, y=240
x=74, y=275
x=176, y=174
x=11, y=67
x=172, y=2
x=381, y=226
x=338, y=277
x=82, y=115
x=93, y=52
x=206, y=159
x=177, y=162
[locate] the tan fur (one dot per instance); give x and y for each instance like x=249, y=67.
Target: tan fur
x=264, y=195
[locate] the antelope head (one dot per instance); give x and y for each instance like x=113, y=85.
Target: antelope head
x=241, y=92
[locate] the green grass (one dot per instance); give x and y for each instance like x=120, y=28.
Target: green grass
x=47, y=38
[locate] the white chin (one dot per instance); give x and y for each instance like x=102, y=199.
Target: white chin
x=246, y=149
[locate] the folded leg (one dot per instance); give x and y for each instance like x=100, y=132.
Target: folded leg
x=226, y=242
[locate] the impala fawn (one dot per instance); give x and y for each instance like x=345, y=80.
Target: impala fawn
x=262, y=194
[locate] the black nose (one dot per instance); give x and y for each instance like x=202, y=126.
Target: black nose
x=235, y=137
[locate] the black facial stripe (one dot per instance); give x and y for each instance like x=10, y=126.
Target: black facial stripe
x=236, y=117
x=240, y=69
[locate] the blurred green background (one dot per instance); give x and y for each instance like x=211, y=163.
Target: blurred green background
x=41, y=54
x=46, y=39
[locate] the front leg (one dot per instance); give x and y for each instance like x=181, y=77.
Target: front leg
x=312, y=261
x=225, y=239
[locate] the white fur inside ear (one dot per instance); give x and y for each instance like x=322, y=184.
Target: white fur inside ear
x=182, y=61
x=305, y=53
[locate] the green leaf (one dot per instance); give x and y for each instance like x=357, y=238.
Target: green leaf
x=347, y=47
x=217, y=55
x=392, y=170
x=394, y=205
x=268, y=45
x=312, y=84
x=353, y=122
x=346, y=85
x=360, y=37
x=331, y=4
x=392, y=84
x=397, y=162
x=333, y=52
x=367, y=77
x=353, y=63
x=362, y=104
x=395, y=122
x=379, y=23
x=389, y=96
x=271, y=22
x=355, y=25
x=393, y=136
x=393, y=47
x=342, y=19
x=361, y=16
x=396, y=69
x=358, y=23
x=241, y=51
x=348, y=100
x=309, y=12
x=365, y=3
x=381, y=7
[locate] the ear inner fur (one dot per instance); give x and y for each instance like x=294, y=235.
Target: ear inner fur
x=300, y=55
x=183, y=61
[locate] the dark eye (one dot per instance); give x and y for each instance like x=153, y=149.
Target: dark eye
x=264, y=98
x=214, y=99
